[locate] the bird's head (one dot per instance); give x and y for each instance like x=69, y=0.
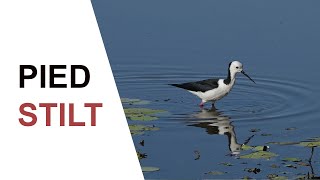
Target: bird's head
x=237, y=67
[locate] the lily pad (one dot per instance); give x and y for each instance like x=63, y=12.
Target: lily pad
x=141, y=117
x=134, y=101
x=259, y=155
x=291, y=159
x=246, y=147
x=301, y=177
x=283, y=143
x=261, y=148
x=141, y=111
x=149, y=169
x=310, y=144
x=136, y=133
x=137, y=129
x=141, y=114
x=215, y=173
x=226, y=164
x=276, y=177
x=256, y=148
x=280, y=178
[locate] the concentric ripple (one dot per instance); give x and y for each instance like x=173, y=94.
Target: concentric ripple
x=271, y=98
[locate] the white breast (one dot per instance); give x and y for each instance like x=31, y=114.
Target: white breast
x=217, y=93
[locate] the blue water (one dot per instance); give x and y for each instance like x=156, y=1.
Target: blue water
x=153, y=43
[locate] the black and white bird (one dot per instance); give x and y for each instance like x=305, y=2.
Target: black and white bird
x=212, y=90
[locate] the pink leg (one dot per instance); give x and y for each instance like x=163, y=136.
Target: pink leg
x=201, y=104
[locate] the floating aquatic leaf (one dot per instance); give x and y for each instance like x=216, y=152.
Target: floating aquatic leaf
x=261, y=148
x=283, y=143
x=276, y=177
x=226, y=164
x=259, y=155
x=128, y=100
x=291, y=159
x=256, y=148
x=141, y=111
x=137, y=129
x=310, y=144
x=136, y=132
x=141, y=114
x=215, y=173
x=134, y=101
x=270, y=176
x=246, y=147
x=313, y=143
x=266, y=134
x=301, y=177
x=149, y=169
x=280, y=178
x=141, y=117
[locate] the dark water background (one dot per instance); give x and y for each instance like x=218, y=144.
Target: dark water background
x=153, y=43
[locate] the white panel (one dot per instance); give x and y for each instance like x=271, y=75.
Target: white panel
x=60, y=32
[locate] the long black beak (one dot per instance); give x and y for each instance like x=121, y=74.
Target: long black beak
x=247, y=76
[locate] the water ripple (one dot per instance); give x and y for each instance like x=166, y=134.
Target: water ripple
x=271, y=98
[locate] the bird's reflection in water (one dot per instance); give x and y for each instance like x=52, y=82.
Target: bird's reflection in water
x=215, y=123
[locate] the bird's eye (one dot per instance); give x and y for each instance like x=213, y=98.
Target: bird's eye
x=237, y=67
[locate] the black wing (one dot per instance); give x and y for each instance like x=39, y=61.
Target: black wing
x=202, y=86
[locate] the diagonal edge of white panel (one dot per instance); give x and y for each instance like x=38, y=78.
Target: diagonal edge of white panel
x=64, y=32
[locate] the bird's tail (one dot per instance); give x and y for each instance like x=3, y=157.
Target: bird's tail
x=175, y=85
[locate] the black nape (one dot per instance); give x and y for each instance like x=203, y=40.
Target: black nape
x=228, y=80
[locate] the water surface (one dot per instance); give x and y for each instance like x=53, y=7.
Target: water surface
x=154, y=43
